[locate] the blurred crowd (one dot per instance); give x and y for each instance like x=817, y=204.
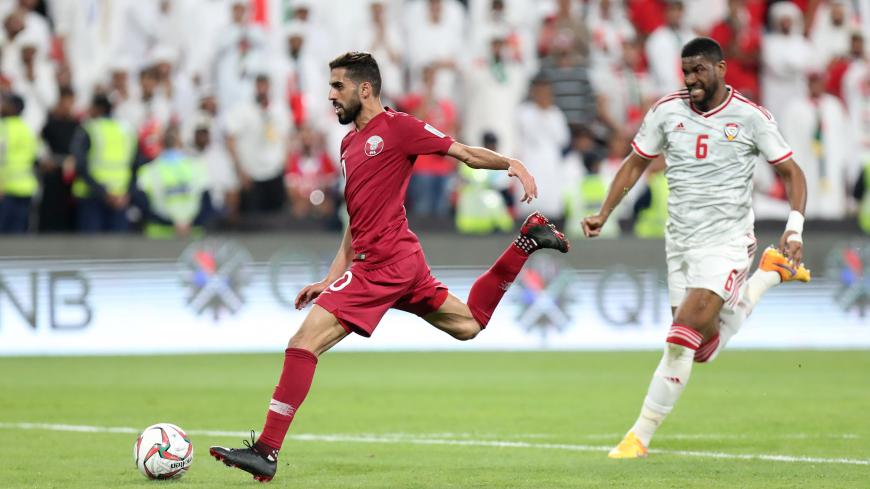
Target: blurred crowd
x=173, y=117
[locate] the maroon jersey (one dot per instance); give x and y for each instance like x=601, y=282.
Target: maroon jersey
x=377, y=163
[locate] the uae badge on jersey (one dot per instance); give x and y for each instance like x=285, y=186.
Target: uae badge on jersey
x=374, y=145
x=731, y=130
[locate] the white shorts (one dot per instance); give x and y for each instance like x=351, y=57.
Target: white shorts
x=720, y=268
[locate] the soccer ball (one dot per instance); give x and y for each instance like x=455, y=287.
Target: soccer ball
x=163, y=451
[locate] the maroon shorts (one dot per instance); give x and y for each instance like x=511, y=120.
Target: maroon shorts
x=361, y=297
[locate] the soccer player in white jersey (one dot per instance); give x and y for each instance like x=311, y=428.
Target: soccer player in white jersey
x=711, y=137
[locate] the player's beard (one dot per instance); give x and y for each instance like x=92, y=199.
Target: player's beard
x=350, y=111
x=710, y=90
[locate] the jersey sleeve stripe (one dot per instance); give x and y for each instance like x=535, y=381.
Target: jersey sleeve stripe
x=781, y=159
x=640, y=152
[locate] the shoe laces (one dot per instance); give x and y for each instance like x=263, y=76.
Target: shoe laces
x=250, y=444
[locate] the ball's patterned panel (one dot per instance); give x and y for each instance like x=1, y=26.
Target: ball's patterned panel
x=163, y=451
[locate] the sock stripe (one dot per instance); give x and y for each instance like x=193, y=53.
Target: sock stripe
x=707, y=349
x=281, y=408
x=684, y=336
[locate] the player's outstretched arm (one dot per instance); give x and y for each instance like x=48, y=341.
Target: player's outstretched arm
x=629, y=173
x=477, y=157
x=796, y=186
x=336, y=270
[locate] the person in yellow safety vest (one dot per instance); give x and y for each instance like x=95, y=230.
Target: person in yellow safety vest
x=172, y=190
x=584, y=200
x=861, y=193
x=651, y=209
x=480, y=209
x=106, y=155
x=18, y=183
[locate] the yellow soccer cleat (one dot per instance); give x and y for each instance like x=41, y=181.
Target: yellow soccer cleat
x=774, y=261
x=629, y=447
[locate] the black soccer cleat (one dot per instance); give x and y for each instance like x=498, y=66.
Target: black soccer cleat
x=538, y=233
x=261, y=466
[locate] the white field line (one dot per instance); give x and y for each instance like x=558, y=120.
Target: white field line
x=402, y=439
x=732, y=436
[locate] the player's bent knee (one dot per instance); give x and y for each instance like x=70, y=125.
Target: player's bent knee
x=468, y=330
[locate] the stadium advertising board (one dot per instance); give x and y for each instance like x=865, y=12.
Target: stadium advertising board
x=216, y=298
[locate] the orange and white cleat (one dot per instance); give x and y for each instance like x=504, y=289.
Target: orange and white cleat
x=774, y=261
x=629, y=447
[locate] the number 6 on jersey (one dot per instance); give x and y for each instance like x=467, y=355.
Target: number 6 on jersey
x=701, y=147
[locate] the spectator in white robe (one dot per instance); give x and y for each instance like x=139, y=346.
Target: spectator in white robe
x=786, y=58
x=816, y=128
x=856, y=94
x=242, y=53
x=495, y=86
x=609, y=28
x=831, y=31
x=663, y=48
x=34, y=80
x=435, y=32
x=543, y=136
x=383, y=40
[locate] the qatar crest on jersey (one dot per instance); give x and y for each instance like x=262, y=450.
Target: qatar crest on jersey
x=731, y=130
x=374, y=145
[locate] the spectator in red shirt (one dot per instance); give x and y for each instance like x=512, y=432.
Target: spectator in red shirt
x=646, y=15
x=310, y=177
x=428, y=191
x=838, y=68
x=740, y=38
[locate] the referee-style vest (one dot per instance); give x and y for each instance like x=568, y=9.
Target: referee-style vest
x=651, y=221
x=174, y=187
x=17, y=174
x=585, y=200
x=110, y=157
x=864, y=213
x=479, y=208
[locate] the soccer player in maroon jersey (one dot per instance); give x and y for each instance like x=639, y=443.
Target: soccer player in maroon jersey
x=380, y=264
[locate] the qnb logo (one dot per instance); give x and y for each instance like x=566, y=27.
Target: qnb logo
x=215, y=273
x=543, y=296
x=673, y=380
x=374, y=145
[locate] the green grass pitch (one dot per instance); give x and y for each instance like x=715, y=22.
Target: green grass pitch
x=448, y=420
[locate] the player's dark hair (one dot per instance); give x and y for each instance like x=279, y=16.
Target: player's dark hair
x=705, y=47
x=361, y=67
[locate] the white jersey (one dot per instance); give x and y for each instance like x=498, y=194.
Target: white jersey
x=710, y=158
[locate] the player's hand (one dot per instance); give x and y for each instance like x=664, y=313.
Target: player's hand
x=592, y=225
x=530, y=188
x=310, y=292
x=794, y=250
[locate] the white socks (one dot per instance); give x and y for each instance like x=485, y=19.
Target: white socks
x=672, y=374
x=760, y=282
x=730, y=321
x=668, y=382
